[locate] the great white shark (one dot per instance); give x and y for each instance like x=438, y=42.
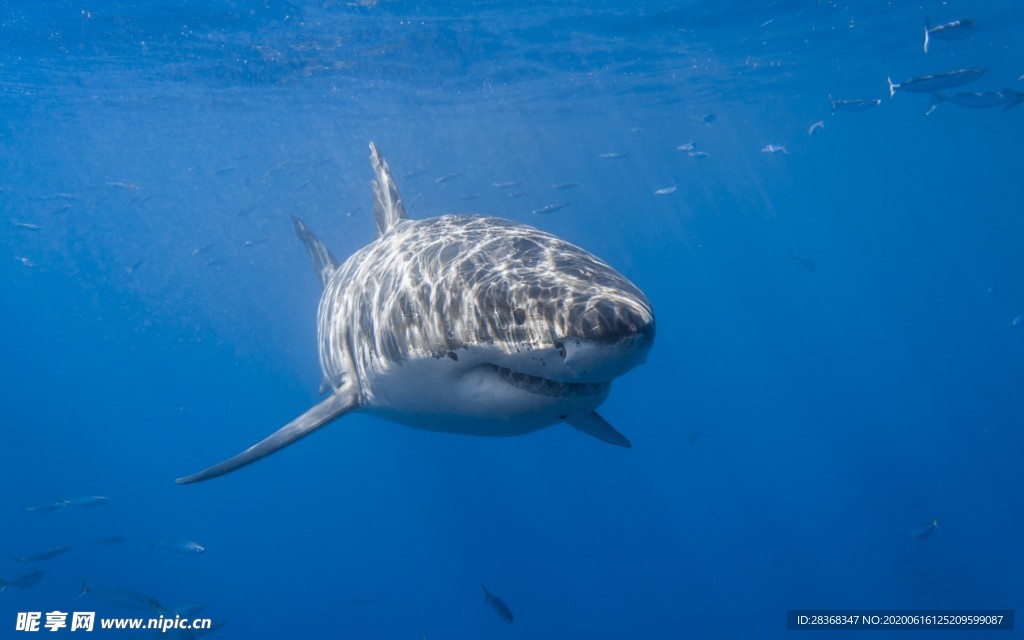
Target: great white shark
x=465, y=324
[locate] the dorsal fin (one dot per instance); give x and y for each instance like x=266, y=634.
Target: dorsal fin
x=324, y=263
x=388, y=207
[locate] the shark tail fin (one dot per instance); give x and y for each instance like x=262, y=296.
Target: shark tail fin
x=388, y=208
x=324, y=263
x=892, y=87
x=338, y=404
x=85, y=589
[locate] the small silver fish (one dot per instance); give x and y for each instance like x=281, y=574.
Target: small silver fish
x=805, y=263
x=256, y=242
x=971, y=100
x=43, y=555
x=28, y=262
x=817, y=126
x=28, y=226
x=286, y=167
x=450, y=176
x=506, y=185
x=708, y=119
x=186, y=547
x=127, y=186
x=498, y=605
x=49, y=507
x=937, y=82
x=416, y=173
x=1018, y=321
x=551, y=208
x=774, y=148
x=667, y=191
x=955, y=30
x=925, y=530
x=687, y=146
x=699, y=154
x=561, y=186
x=123, y=598
x=23, y=581
x=853, y=106
x=89, y=501
x=59, y=196
x=612, y=155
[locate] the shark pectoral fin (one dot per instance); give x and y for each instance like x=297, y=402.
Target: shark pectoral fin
x=594, y=425
x=338, y=404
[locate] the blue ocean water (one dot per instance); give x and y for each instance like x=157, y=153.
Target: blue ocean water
x=836, y=361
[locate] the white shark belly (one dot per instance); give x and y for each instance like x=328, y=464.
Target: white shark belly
x=473, y=399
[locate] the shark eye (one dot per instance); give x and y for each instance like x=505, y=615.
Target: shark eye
x=519, y=315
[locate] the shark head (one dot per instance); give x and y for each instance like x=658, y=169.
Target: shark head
x=481, y=326
x=551, y=311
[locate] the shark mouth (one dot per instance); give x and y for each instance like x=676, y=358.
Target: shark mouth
x=546, y=387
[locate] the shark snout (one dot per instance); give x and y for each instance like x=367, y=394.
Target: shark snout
x=645, y=336
x=611, y=321
x=610, y=338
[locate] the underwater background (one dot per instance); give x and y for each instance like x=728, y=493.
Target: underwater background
x=840, y=349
